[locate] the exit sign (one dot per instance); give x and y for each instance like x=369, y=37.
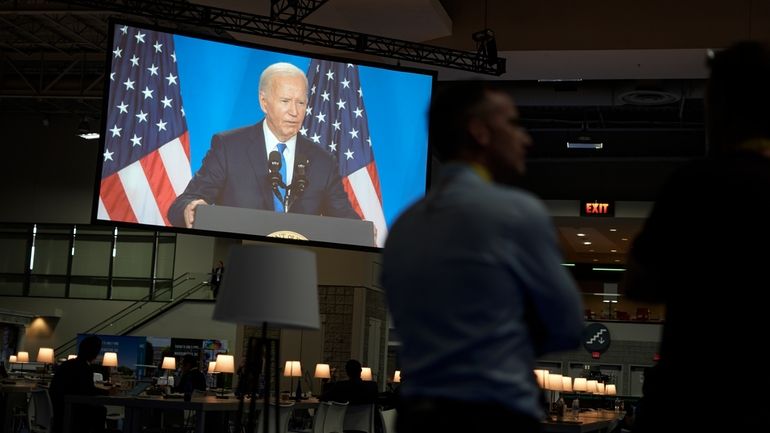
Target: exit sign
x=597, y=208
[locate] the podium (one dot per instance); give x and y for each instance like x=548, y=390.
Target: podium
x=284, y=225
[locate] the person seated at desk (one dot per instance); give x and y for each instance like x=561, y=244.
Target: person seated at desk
x=354, y=390
x=75, y=377
x=192, y=378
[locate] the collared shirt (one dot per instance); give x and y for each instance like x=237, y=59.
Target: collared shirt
x=477, y=292
x=291, y=145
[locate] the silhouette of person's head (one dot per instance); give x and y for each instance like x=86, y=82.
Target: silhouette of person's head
x=89, y=348
x=189, y=362
x=738, y=91
x=353, y=369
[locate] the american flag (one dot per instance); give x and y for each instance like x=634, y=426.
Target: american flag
x=336, y=120
x=146, y=145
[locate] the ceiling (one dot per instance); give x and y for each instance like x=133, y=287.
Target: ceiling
x=628, y=74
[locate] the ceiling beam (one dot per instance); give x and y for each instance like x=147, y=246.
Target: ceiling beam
x=293, y=10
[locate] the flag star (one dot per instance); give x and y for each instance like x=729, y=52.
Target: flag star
x=345, y=83
x=360, y=93
x=161, y=125
x=350, y=65
x=336, y=125
x=173, y=56
x=157, y=47
x=171, y=79
x=182, y=109
x=122, y=107
x=317, y=67
x=340, y=104
x=330, y=75
x=137, y=141
x=134, y=61
x=147, y=92
x=112, y=76
x=153, y=70
x=166, y=102
x=303, y=131
x=325, y=95
x=142, y=116
x=139, y=37
x=333, y=147
x=129, y=84
x=116, y=131
x=308, y=110
x=369, y=140
x=358, y=111
x=312, y=90
x=316, y=138
x=349, y=154
x=117, y=52
x=353, y=133
x=321, y=117
x=124, y=29
x=108, y=155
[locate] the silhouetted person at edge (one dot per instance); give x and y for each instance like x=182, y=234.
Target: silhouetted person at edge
x=703, y=252
x=216, y=277
x=354, y=390
x=191, y=379
x=75, y=377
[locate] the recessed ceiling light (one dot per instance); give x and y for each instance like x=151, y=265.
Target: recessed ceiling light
x=590, y=251
x=623, y=239
x=596, y=260
x=586, y=242
x=617, y=260
x=613, y=251
x=580, y=235
x=613, y=230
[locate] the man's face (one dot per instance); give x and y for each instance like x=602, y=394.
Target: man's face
x=507, y=141
x=284, y=103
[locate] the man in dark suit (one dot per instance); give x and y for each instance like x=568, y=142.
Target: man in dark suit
x=354, y=390
x=235, y=171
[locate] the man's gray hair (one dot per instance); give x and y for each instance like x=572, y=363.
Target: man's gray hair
x=278, y=69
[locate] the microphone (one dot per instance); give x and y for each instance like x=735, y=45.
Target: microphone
x=274, y=173
x=300, y=181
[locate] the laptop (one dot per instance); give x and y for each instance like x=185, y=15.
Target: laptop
x=139, y=388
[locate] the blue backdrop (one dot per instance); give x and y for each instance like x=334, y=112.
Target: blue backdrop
x=219, y=85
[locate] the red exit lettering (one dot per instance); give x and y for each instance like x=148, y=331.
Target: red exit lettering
x=597, y=208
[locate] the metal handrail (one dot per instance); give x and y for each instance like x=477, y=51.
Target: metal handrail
x=133, y=307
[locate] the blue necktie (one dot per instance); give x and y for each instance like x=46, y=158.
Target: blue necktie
x=278, y=203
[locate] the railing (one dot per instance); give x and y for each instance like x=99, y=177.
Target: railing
x=130, y=312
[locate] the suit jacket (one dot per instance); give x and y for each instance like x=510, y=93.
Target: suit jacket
x=234, y=173
x=75, y=377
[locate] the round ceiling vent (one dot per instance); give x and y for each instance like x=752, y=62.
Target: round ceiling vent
x=648, y=97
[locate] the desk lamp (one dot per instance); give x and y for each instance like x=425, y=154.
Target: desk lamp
x=366, y=374
x=110, y=360
x=169, y=364
x=224, y=364
x=267, y=285
x=323, y=372
x=11, y=360
x=397, y=376
x=45, y=357
x=293, y=369
x=211, y=372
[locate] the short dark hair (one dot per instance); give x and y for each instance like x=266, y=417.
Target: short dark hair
x=738, y=96
x=452, y=106
x=90, y=347
x=353, y=368
x=190, y=360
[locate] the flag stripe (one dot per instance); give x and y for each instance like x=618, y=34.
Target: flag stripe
x=352, y=197
x=176, y=159
x=368, y=200
x=139, y=194
x=115, y=200
x=159, y=182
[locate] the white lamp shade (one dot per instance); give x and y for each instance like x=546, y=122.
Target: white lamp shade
x=110, y=359
x=591, y=386
x=169, y=363
x=554, y=382
x=212, y=366
x=541, y=376
x=600, y=388
x=45, y=355
x=566, y=384
x=610, y=389
x=22, y=357
x=268, y=283
x=579, y=384
x=12, y=358
x=366, y=373
x=292, y=369
x=322, y=371
x=224, y=364
x=397, y=376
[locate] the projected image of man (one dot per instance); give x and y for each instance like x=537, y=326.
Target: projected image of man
x=268, y=165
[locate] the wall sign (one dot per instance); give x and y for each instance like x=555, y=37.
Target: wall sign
x=597, y=208
x=596, y=338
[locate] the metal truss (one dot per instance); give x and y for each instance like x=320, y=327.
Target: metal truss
x=293, y=10
x=176, y=11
